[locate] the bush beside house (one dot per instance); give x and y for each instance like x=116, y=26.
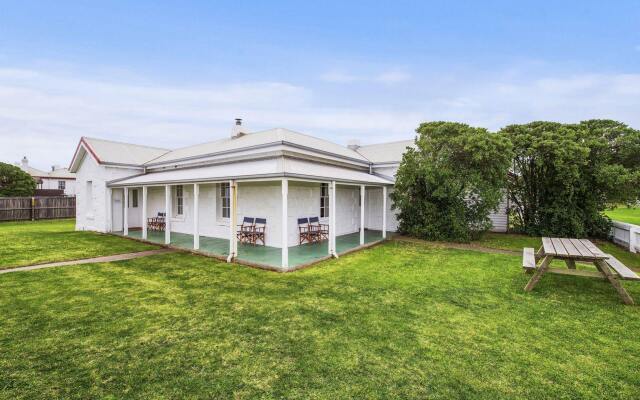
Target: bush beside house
x=14, y=182
x=448, y=185
x=560, y=178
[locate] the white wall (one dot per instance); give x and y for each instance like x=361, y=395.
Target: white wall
x=373, y=210
x=93, y=213
x=255, y=199
x=52, y=183
x=499, y=218
x=627, y=235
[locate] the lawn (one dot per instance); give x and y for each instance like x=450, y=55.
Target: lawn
x=26, y=243
x=625, y=214
x=399, y=320
x=516, y=243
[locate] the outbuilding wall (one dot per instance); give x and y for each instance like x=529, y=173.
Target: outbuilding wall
x=93, y=213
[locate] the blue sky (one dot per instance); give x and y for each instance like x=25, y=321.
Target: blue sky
x=177, y=73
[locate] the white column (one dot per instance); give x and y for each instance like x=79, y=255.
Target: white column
x=144, y=212
x=167, y=211
x=333, y=193
x=285, y=224
x=233, y=239
x=196, y=226
x=109, y=227
x=125, y=214
x=384, y=212
x=362, y=214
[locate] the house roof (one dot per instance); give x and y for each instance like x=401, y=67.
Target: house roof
x=257, y=139
x=33, y=171
x=265, y=168
x=112, y=152
x=61, y=173
x=385, y=152
x=115, y=153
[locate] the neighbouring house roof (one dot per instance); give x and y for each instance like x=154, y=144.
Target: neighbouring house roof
x=33, y=171
x=114, y=153
x=62, y=173
x=385, y=152
x=293, y=168
x=257, y=139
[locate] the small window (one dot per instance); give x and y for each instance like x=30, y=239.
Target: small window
x=133, y=198
x=89, y=197
x=324, y=200
x=179, y=200
x=225, y=200
x=62, y=185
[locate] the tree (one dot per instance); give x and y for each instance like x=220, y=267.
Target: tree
x=15, y=182
x=565, y=175
x=448, y=185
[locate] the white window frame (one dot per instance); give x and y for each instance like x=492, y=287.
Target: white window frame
x=62, y=185
x=224, y=195
x=178, y=200
x=133, y=199
x=324, y=200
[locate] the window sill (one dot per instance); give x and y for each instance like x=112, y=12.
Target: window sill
x=177, y=219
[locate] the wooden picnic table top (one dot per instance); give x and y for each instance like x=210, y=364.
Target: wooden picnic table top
x=579, y=249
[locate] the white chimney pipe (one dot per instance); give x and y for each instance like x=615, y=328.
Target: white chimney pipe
x=237, y=130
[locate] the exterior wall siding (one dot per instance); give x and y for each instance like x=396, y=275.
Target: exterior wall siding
x=91, y=205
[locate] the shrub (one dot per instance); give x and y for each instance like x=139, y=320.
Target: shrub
x=448, y=185
x=15, y=182
x=565, y=175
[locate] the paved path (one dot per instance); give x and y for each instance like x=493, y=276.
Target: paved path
x=117, y=257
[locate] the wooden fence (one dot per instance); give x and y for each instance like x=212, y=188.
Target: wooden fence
x=33, y=208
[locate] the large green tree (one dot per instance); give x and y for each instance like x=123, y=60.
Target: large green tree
x=447, y=185
x=15, y=182
x=565, y=175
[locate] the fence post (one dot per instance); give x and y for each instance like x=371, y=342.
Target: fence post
x=633, y=238
x=33, y=208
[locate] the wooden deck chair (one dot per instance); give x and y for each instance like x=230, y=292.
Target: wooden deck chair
x=259, y=231
x=245, y=230
x=304, y=231
x=321, y=230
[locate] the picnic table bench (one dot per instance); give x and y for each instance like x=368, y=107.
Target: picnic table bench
x=572, y=251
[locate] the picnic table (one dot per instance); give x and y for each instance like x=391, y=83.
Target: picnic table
x=572, y=251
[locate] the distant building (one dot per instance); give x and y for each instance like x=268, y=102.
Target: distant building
x=58, y=178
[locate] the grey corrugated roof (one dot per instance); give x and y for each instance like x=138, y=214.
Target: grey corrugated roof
x=257, y=139
x=256, y=169
x=108, y=151
x=385, y=152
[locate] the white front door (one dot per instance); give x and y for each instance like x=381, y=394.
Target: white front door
x=117, y=207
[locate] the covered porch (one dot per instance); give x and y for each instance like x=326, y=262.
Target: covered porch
x=267, y=256
x=205, y=216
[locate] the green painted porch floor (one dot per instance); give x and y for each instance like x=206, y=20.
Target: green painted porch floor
x=265, y=255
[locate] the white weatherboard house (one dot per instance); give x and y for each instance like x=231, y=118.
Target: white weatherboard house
x=206, y=191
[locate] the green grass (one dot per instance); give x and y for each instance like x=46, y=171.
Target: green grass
x=516, y=243
x=625, y=214
x=395, y=321
x=26, y=243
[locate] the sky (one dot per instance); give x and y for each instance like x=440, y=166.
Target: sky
x=173, y=74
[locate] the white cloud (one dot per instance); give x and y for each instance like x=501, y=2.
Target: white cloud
x=391, y=77
x=386, y=77
x=43, y=114
x=335, y=76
